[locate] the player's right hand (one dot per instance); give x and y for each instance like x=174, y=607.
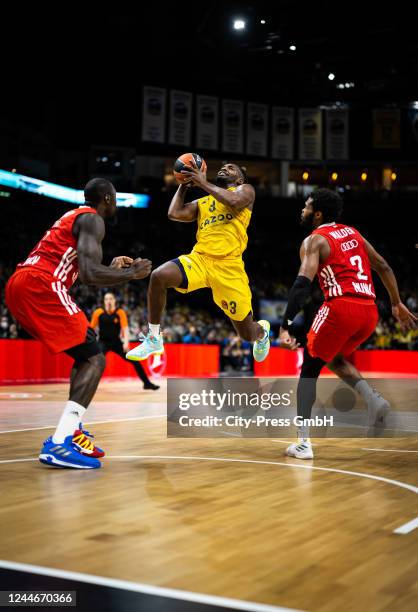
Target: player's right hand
x=406, y=319
x=287, y=341
x=141, y=268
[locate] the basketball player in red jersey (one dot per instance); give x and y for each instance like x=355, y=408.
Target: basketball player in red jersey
x=343, y=259
x=37, y=296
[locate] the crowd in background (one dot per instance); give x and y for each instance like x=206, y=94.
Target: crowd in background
x=271, y=262
x=186, y=323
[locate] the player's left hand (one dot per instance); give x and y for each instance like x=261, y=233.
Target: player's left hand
x=287, y=341
x=121, y=262
x=125, y=346
x=406, y=319
x=196, y=176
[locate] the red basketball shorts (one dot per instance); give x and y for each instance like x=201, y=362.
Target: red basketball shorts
x=340, y=326
x=44, y=309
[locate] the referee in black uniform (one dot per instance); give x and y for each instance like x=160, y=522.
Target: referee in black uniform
x=112, y=326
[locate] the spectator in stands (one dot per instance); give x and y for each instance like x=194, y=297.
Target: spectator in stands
x=192, y=337
x=4, y=327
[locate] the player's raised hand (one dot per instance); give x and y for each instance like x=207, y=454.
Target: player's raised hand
x=122, y=261
x=406, y=319
x=287, y=341
x=141, y=268
x=196, y=176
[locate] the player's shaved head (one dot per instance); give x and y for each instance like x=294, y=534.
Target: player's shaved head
x=96, y=190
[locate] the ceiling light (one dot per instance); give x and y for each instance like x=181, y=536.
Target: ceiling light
x=239, y=24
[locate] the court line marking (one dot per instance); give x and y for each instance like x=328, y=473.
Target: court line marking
x=141, y=418
x=389, y=450
x=148, y=589
x=379, y=450
x=396, y=483
x=407, y=527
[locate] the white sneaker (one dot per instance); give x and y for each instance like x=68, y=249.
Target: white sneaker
x=302, y=449
x=377, y=410
x=261, y=347
x=151, y=345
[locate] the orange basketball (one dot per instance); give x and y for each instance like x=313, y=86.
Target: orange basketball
x=188, y=159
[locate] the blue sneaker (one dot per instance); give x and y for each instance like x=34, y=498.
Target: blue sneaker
x=261, y=347
x=151, y=345
x=65, y=455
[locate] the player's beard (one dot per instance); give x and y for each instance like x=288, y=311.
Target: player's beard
x=307, y=221
x=222, y=181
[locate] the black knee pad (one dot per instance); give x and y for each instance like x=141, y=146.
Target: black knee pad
x=89, y=348
x=311, y=366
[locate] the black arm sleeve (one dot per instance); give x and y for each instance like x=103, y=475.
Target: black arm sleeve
x=298, y=295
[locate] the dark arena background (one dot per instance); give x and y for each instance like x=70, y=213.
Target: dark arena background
x=302, y=96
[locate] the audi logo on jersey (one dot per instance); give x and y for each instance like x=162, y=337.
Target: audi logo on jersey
x=350, y=244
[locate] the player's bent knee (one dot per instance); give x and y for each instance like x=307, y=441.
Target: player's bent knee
x=160, y=277
x=99, y=362
x=336, y=362
x=311, y=367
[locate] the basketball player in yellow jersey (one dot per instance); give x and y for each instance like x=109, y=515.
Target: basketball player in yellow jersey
x=216, y=261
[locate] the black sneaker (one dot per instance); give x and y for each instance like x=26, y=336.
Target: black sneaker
x=149, y=386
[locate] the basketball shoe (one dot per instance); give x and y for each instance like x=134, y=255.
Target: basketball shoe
x=151, y=345
x=377, y=409
x=302, y=449
x=261, y=347
x=66, y=455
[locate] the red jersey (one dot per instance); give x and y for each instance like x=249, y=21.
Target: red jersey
x=346, y=271
x=56, y=253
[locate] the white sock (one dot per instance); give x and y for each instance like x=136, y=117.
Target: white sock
x=303, y=432
x=364, y=389
x=154, y=329
x=69, y=421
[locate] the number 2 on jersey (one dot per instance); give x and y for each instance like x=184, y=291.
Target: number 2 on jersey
x=355, y=261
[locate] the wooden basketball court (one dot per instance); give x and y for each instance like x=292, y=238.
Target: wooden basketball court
x=229, y=523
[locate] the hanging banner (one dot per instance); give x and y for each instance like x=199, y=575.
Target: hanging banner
x=310, y=133
x=153, y=114
x=232, y=126
x=283, y=130
x=257, y=125
x=180, y=132
x=387, y=128
x=207, y=122
x=413, y=123
x=336, y=124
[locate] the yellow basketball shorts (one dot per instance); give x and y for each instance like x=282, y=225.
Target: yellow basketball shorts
x=227, y=279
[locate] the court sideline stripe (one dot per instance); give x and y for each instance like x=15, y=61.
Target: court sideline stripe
x=407, y=527
x=379, y=450
x=389, y=450
x=148, y=589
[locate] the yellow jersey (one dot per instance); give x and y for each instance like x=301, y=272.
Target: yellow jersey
x=221, y=230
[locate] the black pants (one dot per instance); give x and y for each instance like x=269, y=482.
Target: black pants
x=116, y=347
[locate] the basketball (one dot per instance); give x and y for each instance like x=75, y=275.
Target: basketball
x=188, y=159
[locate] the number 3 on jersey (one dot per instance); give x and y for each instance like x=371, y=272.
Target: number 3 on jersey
x=355, y=261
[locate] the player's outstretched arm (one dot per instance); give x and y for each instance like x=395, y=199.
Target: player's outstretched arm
x=300, y=292
x=182, y=211
x=379, y=264
x=89, y=230
x=242, y=197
